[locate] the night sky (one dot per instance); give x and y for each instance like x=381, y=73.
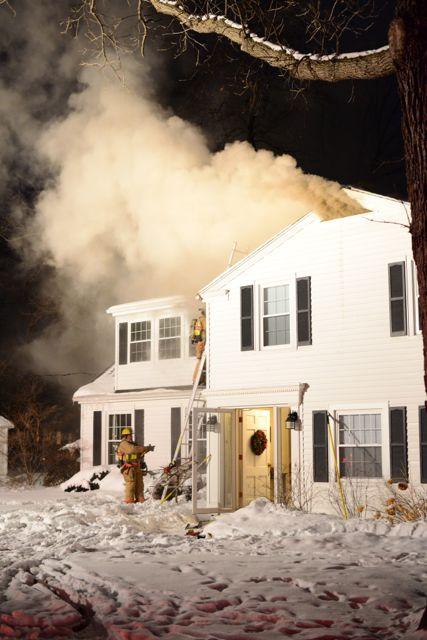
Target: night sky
x=348, y=132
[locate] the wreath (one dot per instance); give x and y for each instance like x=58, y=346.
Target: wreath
x=258, y=442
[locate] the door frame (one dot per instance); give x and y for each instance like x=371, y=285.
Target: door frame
x=203, y=510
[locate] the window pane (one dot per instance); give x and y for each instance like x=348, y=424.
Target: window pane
x=170, y=327
x=360, y=462
x=276, y=300
x=170, y=348
x=276, y=330
x=140, y=351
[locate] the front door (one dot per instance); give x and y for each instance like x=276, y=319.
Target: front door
x=256, y=476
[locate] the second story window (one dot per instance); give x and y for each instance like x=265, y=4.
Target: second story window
x=276, y=316
x=169, y=338
x=140, y=341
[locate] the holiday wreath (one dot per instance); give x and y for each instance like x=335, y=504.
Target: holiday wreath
x=258, y=442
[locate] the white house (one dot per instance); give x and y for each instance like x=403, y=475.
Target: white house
x=321, y=320
x=5, y=425
x=147, y=388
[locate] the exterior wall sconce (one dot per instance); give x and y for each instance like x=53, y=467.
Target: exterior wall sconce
x=292, y=421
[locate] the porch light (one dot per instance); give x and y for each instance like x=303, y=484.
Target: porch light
x=292, y=421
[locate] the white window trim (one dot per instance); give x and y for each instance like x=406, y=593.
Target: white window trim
x=158, y=338
x=291, y=283
x=338, y=408
x=130, y=323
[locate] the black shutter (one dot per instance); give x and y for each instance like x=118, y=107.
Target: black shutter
x=247, y=318
x=123, y=343
x=139, y=426
x=175, y=430
x=423, y=443
x=398, y=445
x=320, y=446
x=397, y=291
x=97, y=437
x=304, y=311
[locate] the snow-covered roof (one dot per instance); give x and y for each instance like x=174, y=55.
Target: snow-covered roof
x=371, y=202
x=103, y=385
x=5, y=423
x=151, y=304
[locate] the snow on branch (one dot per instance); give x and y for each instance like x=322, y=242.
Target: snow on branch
x=361, y=65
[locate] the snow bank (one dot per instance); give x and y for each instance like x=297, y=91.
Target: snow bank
x=261, y=517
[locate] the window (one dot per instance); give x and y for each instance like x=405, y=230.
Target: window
x=169, y=338
x=276, y=320
x=140, y=341
x=397, y=290
x=116, y=422
x=360, y=445
x=303, y=311
x=246, y=318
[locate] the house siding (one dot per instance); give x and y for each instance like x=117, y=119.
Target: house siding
x=353, y=360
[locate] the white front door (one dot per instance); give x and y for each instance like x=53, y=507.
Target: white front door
x=256, y=480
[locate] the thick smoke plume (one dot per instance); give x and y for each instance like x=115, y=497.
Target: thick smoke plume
x=141, y=208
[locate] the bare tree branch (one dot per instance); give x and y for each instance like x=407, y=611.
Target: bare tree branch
x=329, y=68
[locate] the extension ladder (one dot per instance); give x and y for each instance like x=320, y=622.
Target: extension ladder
x=188, y=414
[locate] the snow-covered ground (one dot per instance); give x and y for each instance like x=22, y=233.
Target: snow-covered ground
x=84, y=565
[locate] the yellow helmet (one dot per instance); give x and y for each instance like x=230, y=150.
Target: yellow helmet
x=127, y=431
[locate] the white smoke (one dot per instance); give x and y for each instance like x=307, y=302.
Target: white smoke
x=141, y=208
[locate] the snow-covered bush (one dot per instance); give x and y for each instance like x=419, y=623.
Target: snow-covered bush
x=86, y=480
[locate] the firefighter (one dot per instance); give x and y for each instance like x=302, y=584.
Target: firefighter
x=129, y=455
x=198, y=337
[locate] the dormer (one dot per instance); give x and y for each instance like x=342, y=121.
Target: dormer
x=152, y=343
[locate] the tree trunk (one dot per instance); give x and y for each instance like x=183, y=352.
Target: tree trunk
x=407, y=37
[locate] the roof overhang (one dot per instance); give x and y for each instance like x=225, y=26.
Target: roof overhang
x=152, y=304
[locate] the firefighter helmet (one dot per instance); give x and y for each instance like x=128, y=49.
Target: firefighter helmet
x=127, y=431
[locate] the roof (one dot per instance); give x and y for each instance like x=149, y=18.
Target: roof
x=151, y=304
x=103, y=387
x=5, y=423
x=368, y=202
